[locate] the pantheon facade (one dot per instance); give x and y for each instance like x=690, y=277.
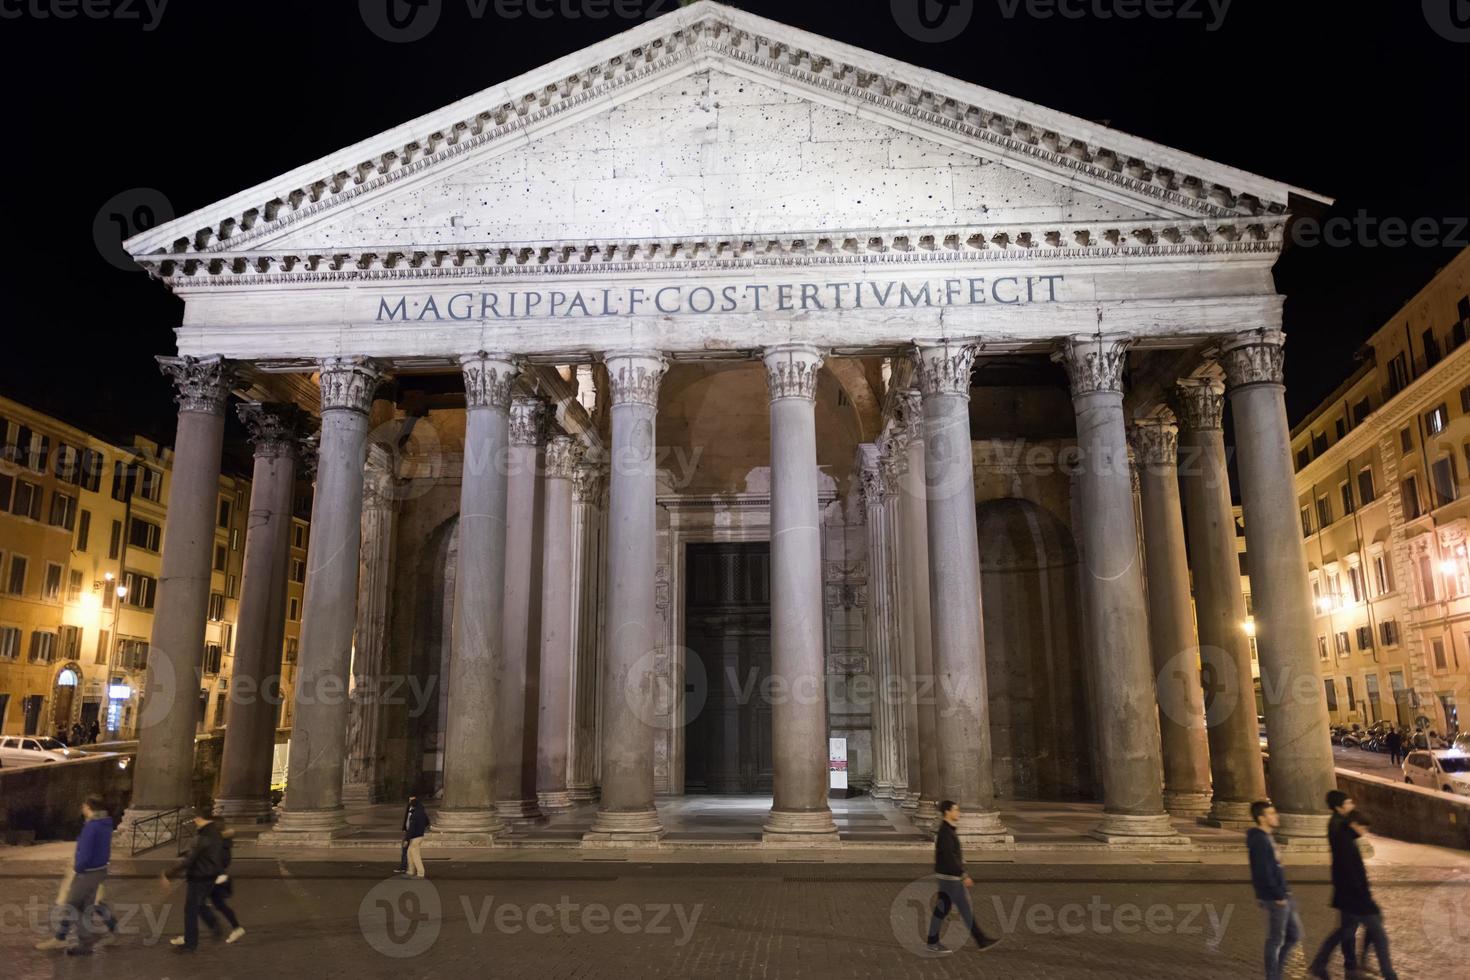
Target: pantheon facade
x=719, y=390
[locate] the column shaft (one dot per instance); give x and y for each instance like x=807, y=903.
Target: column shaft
x=370, y=638
x=914, y=540
x=587, y=575
x=557, y=617
x=879, y=628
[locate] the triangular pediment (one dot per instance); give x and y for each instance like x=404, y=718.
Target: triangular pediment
x=711, y=121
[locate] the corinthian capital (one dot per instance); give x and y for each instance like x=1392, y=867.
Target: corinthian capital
x=1199, y=403
x=943, y=368
x=275, y=429
x=1094, y=362
x=563, y=454
x=488, y=379
x=791, y=371
x=586, y=480
x=202, y=383
x=634, y=377
x=910, y=405
x=1155, y=442
x=1253, y=358
x=348, y=383
x=529, y=423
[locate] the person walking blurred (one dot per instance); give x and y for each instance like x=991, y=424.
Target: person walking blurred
x=1283, y=922
x=89, y=870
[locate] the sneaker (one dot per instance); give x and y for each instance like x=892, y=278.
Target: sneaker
x=79, y=950
x=938, y=949
x=106, y=939
x=989, y=944
x=235, y=934
x=176, y=941
x=51, y=943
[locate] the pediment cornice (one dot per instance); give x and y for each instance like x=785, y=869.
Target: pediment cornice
x=1062, y=147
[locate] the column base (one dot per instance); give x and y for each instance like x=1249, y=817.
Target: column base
x=800, y=828
x=1150, y=829
x=1229, y=815
x=358, y=794
x=907, y=800
x=981, y=828
x=583, y=794
x=926, y=810
x=1303, y=831
x=624, y=828
x=308, y=827
x=556, y=800
x=881, y=791
x=519, y=813
x=241, y=809
x=1182, y=803
x=470, y=827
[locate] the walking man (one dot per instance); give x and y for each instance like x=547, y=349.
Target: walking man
x=1395, y=740
x=949, y=875
x=415, y=823
x=201, y=868
x=1351, y=895
x=89, y=870
x=1283, y=924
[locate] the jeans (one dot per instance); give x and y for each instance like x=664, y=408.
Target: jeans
x=1345, y=937
x=1283, y=932
x=952, y=894
x=195, y=909
x=81, y=904
x=1375, y=937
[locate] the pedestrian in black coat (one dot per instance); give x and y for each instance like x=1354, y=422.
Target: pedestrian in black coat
x=953, y=882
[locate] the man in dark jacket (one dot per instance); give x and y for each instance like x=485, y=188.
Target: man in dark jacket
x=1283, y=923
x=415, y=825
x=89, y=870
x=949, y=875
x=1351, y=895
x=1395, y=741
x=200, y=867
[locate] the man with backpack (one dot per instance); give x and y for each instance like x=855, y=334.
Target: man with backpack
x=202, y=868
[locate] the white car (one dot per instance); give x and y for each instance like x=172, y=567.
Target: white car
x=1447, y=770
x=27, y=750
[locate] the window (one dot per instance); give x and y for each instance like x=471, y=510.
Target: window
x=90, y=466
x=1437, y=645
x=7, y=490
x=63, y=510
x=103, y=646
x=1355, y=582
x=40, y=452
x=1406, y=439
x=1330, y=687
x=144, y=534
x=229, y=644
x=224, y=513
x=212, y=657
x=84, y=529
x=1410, y=491
x=132, y=654
x=1352, y=700
x=1319, y=443
x=1341, y=428
x=150, y=483
x=1366, y=492
x=9, y=643
x=234, y=539
x=124, y=480
x=295, y=609
x=1426, y=578
x=216, y=607
x=1303, y=457
x=1381, y=578
x=114, y=544
x=1321, y=648
x=298, y=570
x=231, y=589
x=1365, y=637
x=1343, y=649
x=74, y=585
x=71, y=642
x=15, y=584
x=1345, y=490
x=1361, y=411
x=1465, y=400
x=141, y=590
x=43, y=647
x=221, y=557
x=27, y=500
x=1388, y=632
x=291, y=646
x=298, y=536
x=1431, y=348
x=67, y=465
x=1306, y=522
x=1398, y=374
x=1437, y=419
x=51, y=583
x=1442, y=479
x=1370, y=687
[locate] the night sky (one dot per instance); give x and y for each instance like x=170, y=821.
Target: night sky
x=1363, y=103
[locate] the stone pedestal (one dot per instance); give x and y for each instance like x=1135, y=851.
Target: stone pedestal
x=625, y=812
x=1296, y=709
x=1224, y=656
x=250, y=734
x=1172, y=640
x=799, y=811
x=958, y=640
x=313, y=806
x=557, y=613
x=164, y=768
x=1117, y=616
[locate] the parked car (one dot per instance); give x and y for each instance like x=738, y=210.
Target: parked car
x=1447, y=770
x=28, y=750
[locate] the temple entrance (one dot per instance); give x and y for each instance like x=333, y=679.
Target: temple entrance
x=728, y=628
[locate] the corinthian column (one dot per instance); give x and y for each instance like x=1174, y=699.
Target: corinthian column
x=1224, y=653
x=477, y=657
x=1133, y=803
x=954, y=592
x=164, y=770
x=892, y=460
x=1296, y=711
x=250, y=736
x=625, y=813
x=517, y=702
x=1171, y=621
x=313, y=806
x=557, y=616
x=587, y=577
x=799, y=811
x=370, y=638
x=881, y=627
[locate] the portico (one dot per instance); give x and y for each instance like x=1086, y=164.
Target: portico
x=719, y=281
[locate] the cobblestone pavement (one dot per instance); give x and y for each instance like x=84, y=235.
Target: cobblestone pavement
x=796, y=920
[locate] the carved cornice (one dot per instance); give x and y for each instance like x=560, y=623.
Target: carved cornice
x=201, y=384
x=791, y=371
x=349, y=383
x=563, y=456
x=1094, y=363
x=530, y=420
x=1199, y=403
x=1154, y=442
x=1253, y=358
x=944, y=368
x=1028, y=242
x=275, y=429
x=714, y=34
x=634, y=377
x=488, y=380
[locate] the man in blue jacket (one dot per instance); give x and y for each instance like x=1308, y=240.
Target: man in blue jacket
x=1283, y=924
x=89, y=870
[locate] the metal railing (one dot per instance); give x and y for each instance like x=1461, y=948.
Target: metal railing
x=158, y=829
